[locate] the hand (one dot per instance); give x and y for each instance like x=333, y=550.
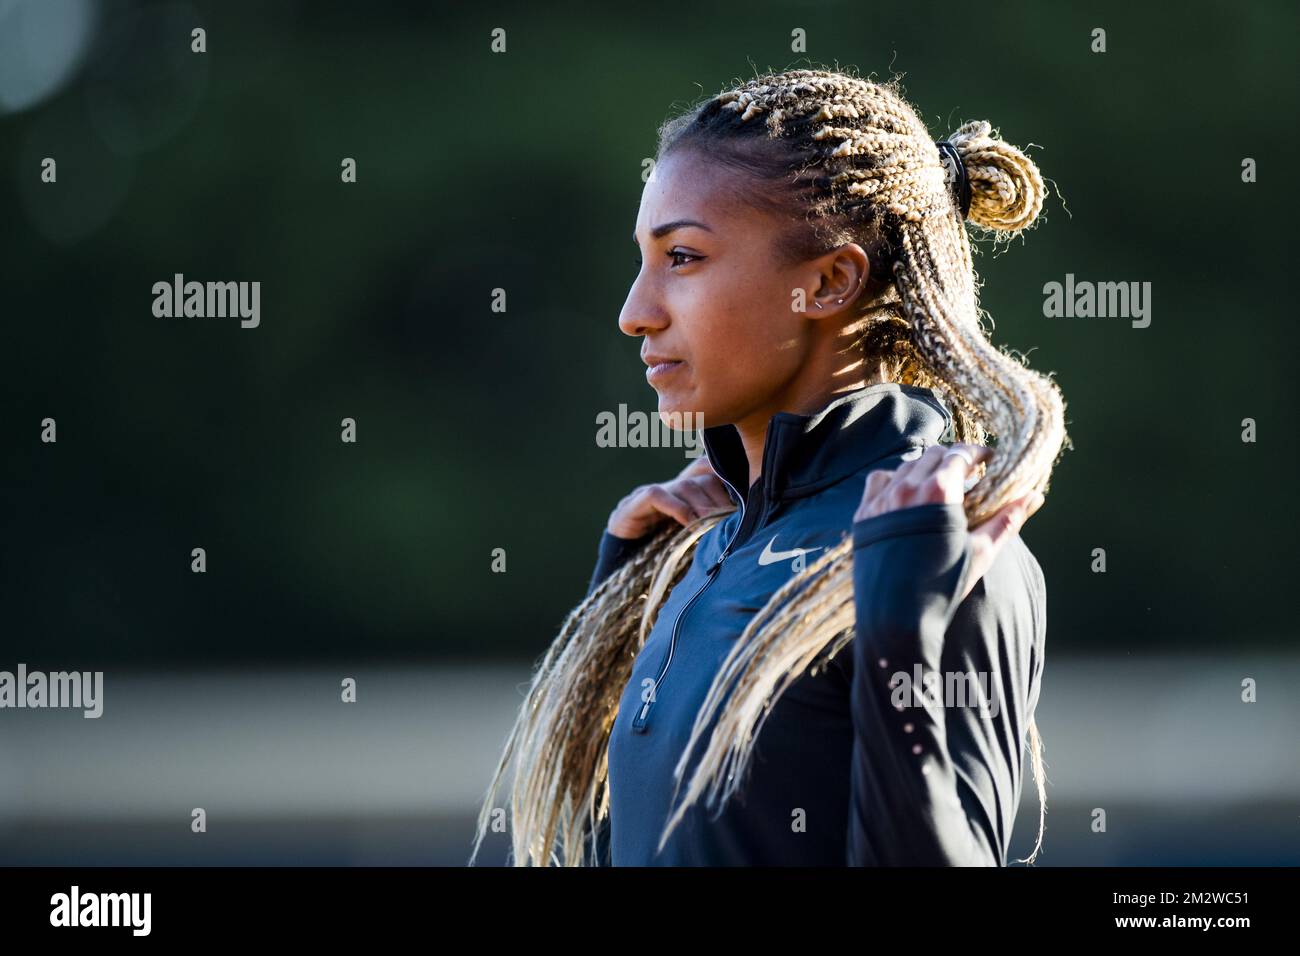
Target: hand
x=939, y=477
x=695, y=493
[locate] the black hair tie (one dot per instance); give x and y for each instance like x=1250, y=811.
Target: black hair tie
x=961, y=180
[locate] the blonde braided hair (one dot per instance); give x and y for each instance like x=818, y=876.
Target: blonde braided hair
x=852, y=155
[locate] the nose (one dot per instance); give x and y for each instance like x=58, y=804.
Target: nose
x=640, y=315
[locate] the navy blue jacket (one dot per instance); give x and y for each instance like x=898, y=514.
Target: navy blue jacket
x=846, y=770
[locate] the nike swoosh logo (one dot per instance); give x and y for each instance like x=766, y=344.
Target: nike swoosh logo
x=772, y=557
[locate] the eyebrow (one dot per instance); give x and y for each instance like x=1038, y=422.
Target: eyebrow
x=658, y=232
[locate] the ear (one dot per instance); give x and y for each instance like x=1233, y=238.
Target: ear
x=843, y=274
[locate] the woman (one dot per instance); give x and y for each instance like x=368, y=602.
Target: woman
x=823, y=643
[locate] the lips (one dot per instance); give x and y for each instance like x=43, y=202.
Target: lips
x=652, y=359
x=657, y=366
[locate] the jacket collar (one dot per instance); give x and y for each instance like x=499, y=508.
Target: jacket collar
x=805, y=453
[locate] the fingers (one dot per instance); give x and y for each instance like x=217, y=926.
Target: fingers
x=700, y=485
x=941, y=473
x=667, y=502
x=1008, y=520
x=705, y=496
x=957, y=459
x=697, y=466
x=872, y=494
x=957, y=465
x=877, y=482
x=697, y=492
x=699, y=475
x=988, y=538
x=938, y=475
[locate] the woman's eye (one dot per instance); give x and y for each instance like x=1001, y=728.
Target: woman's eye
x=674, y=254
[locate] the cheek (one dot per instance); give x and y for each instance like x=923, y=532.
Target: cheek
x=756, y=328
x=740, y=353
x=742, y=340
x=740, y=320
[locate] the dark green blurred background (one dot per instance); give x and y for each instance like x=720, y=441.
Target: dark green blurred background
x=523, y=171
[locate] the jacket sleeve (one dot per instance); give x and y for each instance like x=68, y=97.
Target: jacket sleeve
x=940, y=691
x=611, y=554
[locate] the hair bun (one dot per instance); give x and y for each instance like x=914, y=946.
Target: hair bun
x=1006, y=187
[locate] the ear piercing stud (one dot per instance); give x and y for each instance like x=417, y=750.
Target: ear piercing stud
x=837, y=302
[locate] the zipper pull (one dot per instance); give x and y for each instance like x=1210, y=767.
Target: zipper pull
x=643, y=715
x=638, y=725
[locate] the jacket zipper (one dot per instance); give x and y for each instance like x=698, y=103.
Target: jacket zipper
x=640, y=725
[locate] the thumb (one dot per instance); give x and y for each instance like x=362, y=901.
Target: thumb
x=987, y=538
x=1009, y=519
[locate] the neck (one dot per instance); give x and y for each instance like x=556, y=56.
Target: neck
x=799, y=401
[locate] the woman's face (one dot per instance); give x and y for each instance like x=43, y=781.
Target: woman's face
x=714, y=304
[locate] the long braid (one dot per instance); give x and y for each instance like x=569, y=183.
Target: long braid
x=560, y=739
x=867, y=171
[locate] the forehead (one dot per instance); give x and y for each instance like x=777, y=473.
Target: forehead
x=686, y=186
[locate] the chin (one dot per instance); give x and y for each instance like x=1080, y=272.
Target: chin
x=676, y=412
x=683, y=414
